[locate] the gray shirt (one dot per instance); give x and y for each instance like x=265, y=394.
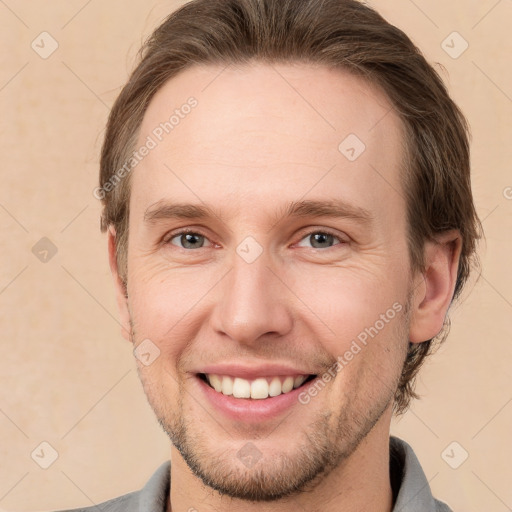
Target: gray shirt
x=410, y=487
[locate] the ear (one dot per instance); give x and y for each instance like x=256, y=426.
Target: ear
x=120, y=288
x=434, y=290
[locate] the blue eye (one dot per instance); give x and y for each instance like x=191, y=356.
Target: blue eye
x=188, y=240
x=320, y=239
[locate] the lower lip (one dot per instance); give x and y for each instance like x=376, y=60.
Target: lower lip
x=251, y=410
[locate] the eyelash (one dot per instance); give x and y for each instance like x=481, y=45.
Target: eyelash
x=167, y=240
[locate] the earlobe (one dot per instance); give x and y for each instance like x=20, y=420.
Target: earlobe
x=119, y=285
x=433, y=294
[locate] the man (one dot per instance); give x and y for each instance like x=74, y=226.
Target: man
x=287, y=197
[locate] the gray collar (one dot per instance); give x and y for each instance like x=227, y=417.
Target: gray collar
x=412, y=491
x=414, y=494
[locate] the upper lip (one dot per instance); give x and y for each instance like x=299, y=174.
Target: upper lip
x=248, y=372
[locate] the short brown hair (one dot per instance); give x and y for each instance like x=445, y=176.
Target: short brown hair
x=344, y=34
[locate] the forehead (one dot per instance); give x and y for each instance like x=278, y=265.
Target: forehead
x=260, y=132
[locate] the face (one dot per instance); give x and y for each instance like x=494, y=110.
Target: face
x=267, y=250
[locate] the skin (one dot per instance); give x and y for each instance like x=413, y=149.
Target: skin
x=260, y=137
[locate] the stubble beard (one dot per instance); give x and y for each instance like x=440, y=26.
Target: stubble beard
x=274, y=476
x=324, y=445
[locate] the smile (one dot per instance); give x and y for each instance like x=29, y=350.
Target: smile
x=257, y=389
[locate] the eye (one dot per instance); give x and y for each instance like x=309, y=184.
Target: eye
x=187, y=240
x=320, y=240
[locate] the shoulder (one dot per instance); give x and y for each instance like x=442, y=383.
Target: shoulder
x=412, y=487
x=442, y=507
x=125, y=503
x=152, y=497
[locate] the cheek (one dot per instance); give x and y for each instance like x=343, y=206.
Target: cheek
x=166, y=305
x=348, y=303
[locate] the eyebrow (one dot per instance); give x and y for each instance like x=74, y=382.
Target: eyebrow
x=325, y=208
x=164, y=209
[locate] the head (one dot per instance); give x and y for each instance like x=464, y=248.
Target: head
x=257, y=111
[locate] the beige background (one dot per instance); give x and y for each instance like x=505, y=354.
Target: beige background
x=67, y=376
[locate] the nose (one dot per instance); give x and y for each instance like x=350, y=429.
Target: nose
x=253, y=303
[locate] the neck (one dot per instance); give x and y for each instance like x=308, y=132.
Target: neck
x=361, y=482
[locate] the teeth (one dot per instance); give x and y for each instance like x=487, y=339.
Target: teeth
x=257, y=389
x=299, y=381
x=241, y=388
x=275, y=387
x=287, y=385
x=216, y=382
x=227, y=386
